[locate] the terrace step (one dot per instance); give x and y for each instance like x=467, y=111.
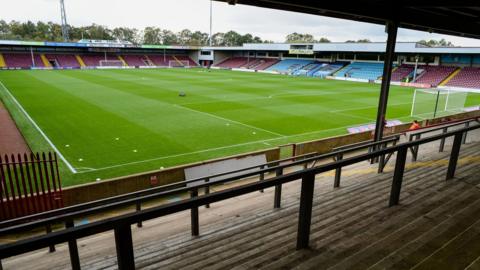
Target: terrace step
x=352, y=227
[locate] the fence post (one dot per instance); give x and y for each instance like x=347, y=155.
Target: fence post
x=278, y=190
x=138, y=207
x=262, y=176
x=49, y=230
x=73, y=249
x=415, y=151
x=442, y=142
x=464, y=137
x=452, y=164
x=124, y=246
x=381, y=163
x=398, y=176
x=194, y=214
x=338, y=172
x=207, y=191
x=305, y=211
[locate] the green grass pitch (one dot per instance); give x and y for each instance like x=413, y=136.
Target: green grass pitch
x=109, y=123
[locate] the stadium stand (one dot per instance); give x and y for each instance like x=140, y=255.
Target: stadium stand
x=433, y=75
x=401, y=73
x=327, y=70
x=289, y=65
x=63, y=60
x=468, y=77
x=22, y=60
x=350, y=226
x=264, y=63
x=362, y=70
x=309, y=69
x=185, y=58
x=135, y=60
x=248, y=63
x=93, y=60
x=2, y=61
x=234, y=62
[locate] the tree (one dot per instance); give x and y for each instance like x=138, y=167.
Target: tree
x=436, y=43
x=299, y=38
x=324, y=40
x=218, y=39
x=152, y=35
x=232, y=38
x=126, y=34
x=168, y=37
x=49, y=31
x=365, y=40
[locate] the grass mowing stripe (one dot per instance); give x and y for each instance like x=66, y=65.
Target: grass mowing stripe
x=213, y=149
x=70, y=167
x=229, y=120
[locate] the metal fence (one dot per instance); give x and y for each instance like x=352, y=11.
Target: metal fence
x=29, y=184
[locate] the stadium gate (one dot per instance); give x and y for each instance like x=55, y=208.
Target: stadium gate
x=29, y=184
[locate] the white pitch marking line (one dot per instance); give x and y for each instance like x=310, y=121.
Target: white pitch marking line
x=70, y=167
x=229, y=120
x=219, y=148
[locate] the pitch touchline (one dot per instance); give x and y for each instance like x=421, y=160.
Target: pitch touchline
x=70, y=167
x=214, y=149
x=229, y=120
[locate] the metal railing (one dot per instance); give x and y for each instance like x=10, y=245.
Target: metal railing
x=139, y=197
x=121, y=225
x=417, y=134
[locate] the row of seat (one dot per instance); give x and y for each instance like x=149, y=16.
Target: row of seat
x=25, y=60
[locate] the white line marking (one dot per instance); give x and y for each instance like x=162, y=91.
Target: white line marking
x=218, y=148
x=229, y=120
x=70, y=167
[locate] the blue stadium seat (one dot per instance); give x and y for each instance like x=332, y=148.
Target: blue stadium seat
x=362, y=70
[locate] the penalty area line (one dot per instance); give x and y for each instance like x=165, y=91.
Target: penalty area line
x=70, y=167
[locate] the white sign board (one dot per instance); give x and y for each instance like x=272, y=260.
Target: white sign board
x=224, y=166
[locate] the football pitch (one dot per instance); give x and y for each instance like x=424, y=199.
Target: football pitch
x=109, y=123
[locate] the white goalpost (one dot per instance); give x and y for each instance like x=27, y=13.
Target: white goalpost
x=178, y=63
x=111, y=63
x=435, y=102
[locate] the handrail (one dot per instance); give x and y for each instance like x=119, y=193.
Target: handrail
x=429, y=129
x=385, y=139
x=17, y=225
x=121, y=224
x=139, y=193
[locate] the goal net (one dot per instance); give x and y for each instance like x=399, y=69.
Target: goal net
x=178, y=63
x=111, y=63
x=431, y=103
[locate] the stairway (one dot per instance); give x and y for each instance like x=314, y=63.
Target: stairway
x=451, y=76
x=123, y=60
x=80, y=60
x=45, y=61
x=2, y=61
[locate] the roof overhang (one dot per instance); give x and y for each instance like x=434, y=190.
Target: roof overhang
x=453, y=17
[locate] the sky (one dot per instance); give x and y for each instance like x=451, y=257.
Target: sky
x=194, y=14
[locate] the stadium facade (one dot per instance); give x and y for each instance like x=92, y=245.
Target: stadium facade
x=415, y=64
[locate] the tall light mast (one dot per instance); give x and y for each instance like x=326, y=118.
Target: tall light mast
x=211, y=23
x=64, y=21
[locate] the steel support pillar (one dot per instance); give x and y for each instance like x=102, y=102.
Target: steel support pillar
x=391, y=28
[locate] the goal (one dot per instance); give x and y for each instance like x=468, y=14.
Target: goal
x=111, y=63
x=433, y=102
x=178, y=63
